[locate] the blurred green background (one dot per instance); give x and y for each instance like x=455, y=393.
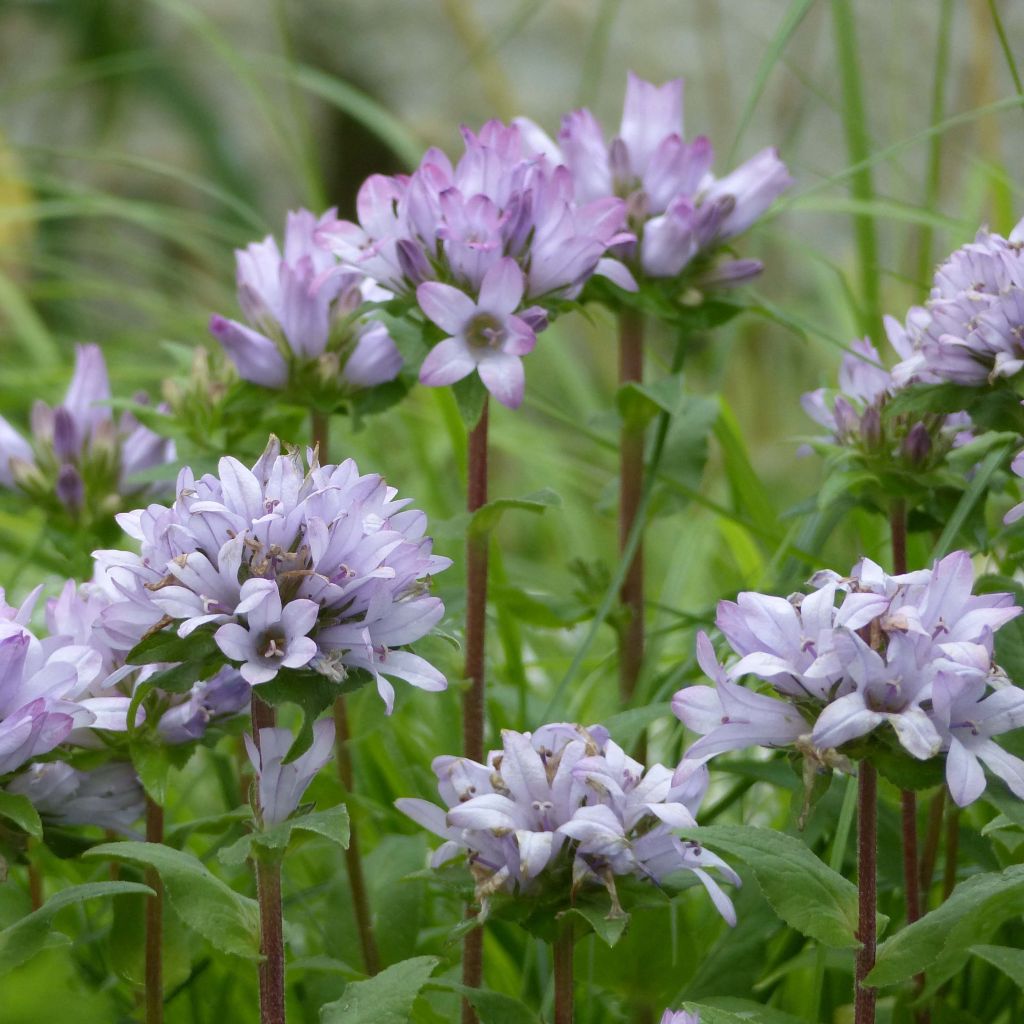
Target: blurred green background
x=142, y=140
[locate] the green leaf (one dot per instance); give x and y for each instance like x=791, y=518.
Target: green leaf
x=166, y=646
x=608, y=923
x=154, y=760
x=19, y=809
x=807, y=894
x=386, y=998
x=639, y=403
x=491, y=1007
x=23, y=939
x=487, y=517
x=1009, y=961
x=975, y=909
x=729, y=1010
x=313, y=692
x=203, y=902
x=470, y=396
x=331, y=824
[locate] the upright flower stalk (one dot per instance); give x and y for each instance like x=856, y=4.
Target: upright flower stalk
x=631, y=483
x=867, y=882
x=342, y=735
x=562, y=949
x=473, y=700
x=154, y=970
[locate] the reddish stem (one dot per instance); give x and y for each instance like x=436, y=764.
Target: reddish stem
x=631, y=482
x=353, y=857
x=154, y=920
x=473, y=706
x=562, y=954
x=931, y=841
x=268, y=894
x=320, y=424
x=867, y=880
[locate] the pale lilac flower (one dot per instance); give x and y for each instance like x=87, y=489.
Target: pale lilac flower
x=485, y=335
x=274, y=637
x=302, y=312
x=677, y=209
x=928, y=633
x=968, y=715
x=225, y=695
x=971, y=330
x=281, y=786
x=336, y=571
x=679, y=1017
x=1018, y=510
x=565, y=797
x=729, y=716
x=451, y=227
x=110, y=796
x=79, y=453
x=854, y=415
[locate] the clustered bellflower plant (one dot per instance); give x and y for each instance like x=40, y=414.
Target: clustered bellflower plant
x=258, y=585
x=286, y=567
x=905, y=660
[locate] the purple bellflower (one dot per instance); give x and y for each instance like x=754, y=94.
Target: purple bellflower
x=911, y=652
x=336, y=570
x=677, y=209
x=281, y=786
x=302, y=314
x=566, y=796
x=110, y=796
x=854, y=415
x=971, y=330
x=679, y=1017
x=500, y=205
x=80, y=458
x=1017, y=511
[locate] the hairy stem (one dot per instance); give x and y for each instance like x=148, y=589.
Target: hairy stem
x=562, y=954
x=320, y=424
x=631, y=482
x=952, y=846
x=154, y=920
x=268, y=893
x=353, y=856
x=867, y=878
x=932, y=836
x=268, y=887
x=473, y=699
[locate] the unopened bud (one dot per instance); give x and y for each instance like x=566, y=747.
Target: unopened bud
x=917, y=445
x=871, y=427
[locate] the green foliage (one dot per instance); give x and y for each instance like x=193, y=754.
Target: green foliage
x=204, y=903
x=332, y=824
x=804, y=892
x=23, y=939
x=386, y=998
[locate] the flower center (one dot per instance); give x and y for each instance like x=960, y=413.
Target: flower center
x=272, y=644
x=485, y=331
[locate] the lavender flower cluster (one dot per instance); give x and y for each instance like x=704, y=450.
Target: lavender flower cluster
x=971, y=330
x=914, y=652
x=321, y=568
x=560, y=796
x=489, y=247
x=79, y=453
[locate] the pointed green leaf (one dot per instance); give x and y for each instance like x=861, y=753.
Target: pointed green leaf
x=806, y=893
x=491, y=1007
x=331, y=824
x=386, y=998
x=487, y=517
x=19, y=809
x=1009, y=961
x=203, y=902
x=23, y=939
x=975, y=909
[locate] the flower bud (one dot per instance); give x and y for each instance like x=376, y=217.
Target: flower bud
x=917, y=445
